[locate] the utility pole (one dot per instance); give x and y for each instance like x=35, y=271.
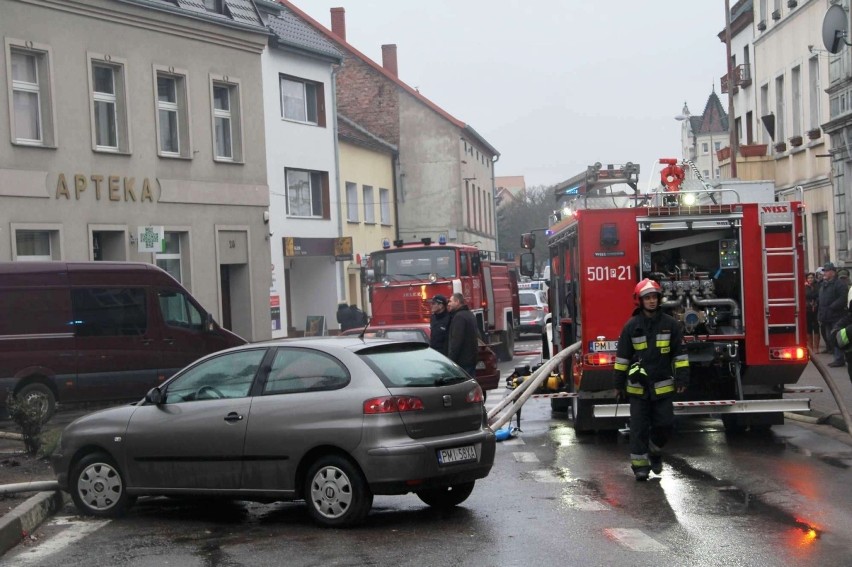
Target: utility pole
x=732, y=123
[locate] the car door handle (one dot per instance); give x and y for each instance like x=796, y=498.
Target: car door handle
x=233, y=417
x=146, y=342
x=169, y=341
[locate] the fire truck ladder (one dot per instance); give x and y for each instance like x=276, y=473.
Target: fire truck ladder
x=779, y=223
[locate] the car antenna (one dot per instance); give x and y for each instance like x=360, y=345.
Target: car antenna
x=364, y=330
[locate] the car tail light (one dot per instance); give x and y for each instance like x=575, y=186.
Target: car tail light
x=392, y=404
x=599, y=359
x=788, y=353
x=475, y=396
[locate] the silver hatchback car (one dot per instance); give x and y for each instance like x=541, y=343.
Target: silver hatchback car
x=331, y=421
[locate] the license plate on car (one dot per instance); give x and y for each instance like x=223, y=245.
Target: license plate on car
x=457, y=455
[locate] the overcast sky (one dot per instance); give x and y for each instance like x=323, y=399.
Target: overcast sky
x=554, y=85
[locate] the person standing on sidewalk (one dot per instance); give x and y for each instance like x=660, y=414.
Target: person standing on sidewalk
x=462, y=346
x=812, y=311
x=651, y=365
x=832, y=306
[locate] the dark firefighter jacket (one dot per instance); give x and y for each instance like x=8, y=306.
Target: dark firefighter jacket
x=439, y=331
x=463, y=346
x=832, y=301
x=651, y=361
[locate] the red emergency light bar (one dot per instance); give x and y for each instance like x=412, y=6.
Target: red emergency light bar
x=788, y=353
x=599, y=359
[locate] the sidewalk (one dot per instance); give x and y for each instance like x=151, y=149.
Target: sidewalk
x=823, y=403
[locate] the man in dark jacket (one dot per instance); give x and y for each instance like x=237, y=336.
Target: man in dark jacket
x=344, y=317
x=439, y=324
x=462, y=347
x=650, y=351
x=832, y=307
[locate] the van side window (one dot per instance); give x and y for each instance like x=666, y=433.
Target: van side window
x=300, y=370
x=109, y=311
x=178, y=310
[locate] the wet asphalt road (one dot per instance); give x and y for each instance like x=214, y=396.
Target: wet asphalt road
x=778, y=498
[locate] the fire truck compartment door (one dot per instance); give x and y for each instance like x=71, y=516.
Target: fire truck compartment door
x=691, y=240
x=489, y=293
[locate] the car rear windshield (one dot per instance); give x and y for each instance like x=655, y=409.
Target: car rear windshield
x=412, y=366
x=527, y=299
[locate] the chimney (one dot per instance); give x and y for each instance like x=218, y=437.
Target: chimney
x=338, y=22
x=389, y=58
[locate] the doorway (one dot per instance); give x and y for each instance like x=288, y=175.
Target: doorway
x=225, y=285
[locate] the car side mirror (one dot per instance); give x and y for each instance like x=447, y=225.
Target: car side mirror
x=209, y=323
x=154, y=396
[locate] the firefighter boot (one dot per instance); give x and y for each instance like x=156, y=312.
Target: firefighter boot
x=656, y=464
x=641, y=466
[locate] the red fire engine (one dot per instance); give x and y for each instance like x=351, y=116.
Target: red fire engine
x=403, y=279
x=731, y=272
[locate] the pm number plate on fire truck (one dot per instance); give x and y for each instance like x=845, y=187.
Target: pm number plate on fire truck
x=602, y=346
x=456, y=455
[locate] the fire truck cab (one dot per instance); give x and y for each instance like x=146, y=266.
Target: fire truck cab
x=403, y=278
x=731, y=273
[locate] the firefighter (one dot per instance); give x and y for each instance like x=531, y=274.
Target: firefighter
x=651, y=364
x=843, y=334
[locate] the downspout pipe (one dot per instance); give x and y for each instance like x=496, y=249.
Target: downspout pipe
x=494, y=160
x=341, y=269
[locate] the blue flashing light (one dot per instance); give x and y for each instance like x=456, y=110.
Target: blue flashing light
x=572, y=190
x=442, y=238
x=548, y=232
x=385, y=243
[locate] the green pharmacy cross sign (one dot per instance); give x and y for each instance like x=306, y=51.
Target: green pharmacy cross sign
x=151, y=239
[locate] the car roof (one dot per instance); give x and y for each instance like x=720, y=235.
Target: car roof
x=331, y=343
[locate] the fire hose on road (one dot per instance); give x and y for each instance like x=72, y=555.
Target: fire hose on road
x=512, y=403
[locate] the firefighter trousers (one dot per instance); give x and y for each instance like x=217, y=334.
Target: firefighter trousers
x=651, y=423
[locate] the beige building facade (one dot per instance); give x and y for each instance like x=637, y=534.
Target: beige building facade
x=368, y=200
x=128, y=124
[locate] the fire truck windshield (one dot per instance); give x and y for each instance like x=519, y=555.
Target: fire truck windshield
x=415, y=264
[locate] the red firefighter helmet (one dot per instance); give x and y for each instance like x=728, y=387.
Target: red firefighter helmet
x=645, y=287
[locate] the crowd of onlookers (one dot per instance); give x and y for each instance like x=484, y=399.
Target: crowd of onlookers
x=826, y=292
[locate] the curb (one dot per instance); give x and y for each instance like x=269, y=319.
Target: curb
x=25, y=518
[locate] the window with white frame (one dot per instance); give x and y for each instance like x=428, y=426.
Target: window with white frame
x=307, y=191
x=172, y=115
x=705, y=148
x=384, y=201
x=302, y=101
x=227, y=124
x=717, y=146
x=109, y=105
x=33, y=245
x=30, y=93
x=369, y=205
x=352, y=202
x=170, y=258
x=796, y=101
x=780, y=130
x=814, y=92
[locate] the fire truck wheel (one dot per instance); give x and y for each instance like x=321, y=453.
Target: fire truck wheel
x=734, y=424
x=581, y=415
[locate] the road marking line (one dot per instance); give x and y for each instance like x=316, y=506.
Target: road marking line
x=75, y=530
x=525, y=457
x=585, y=503
x=634, y=539
x=513, y=441
x=545, y=475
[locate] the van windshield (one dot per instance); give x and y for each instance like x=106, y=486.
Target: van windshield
x=178, y=310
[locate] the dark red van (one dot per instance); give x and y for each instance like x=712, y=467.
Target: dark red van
x=95, y=331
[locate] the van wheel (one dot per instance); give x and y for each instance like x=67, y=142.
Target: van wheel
x=337, y=493
x=446, y=496
x=98, y=488
x=40, y=397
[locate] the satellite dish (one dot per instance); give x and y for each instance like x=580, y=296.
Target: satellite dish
x=835, y=26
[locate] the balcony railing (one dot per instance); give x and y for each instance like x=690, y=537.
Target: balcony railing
x=742, y=77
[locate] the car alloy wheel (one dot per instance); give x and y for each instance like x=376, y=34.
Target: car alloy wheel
x=337, y=493
x=98, y=487
x=446, y=496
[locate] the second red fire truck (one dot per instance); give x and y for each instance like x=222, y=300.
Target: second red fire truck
x=731, y=272
x=404, y=277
